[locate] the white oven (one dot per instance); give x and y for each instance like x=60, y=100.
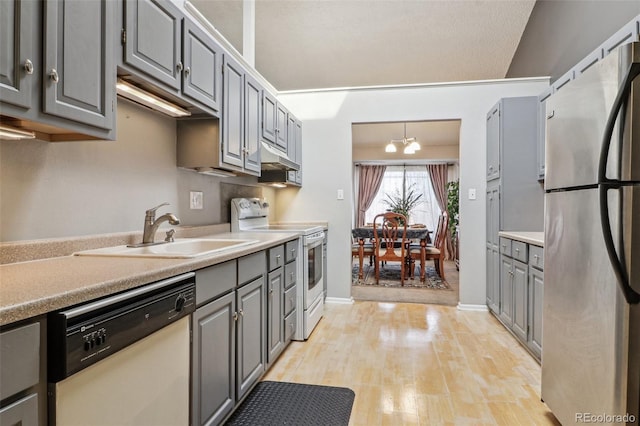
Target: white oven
x=251, y=215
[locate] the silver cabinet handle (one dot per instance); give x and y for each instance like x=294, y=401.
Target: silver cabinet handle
x=235, y=316
x=187, y=71
x=179, y=66
x=292, y=275
x=535, y=256
x=270, y=291
x=517, y=250
x=53, y=75
x=28, y=66
x=241, y=312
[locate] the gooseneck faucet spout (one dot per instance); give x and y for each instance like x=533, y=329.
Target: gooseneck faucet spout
x=151, y=224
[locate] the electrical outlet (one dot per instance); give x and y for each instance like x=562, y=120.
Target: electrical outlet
x=472, y=193
x=196, y=200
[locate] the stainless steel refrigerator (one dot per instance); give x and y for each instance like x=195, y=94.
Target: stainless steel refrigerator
x=591, y=318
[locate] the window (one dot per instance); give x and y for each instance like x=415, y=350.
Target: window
x=417, y=177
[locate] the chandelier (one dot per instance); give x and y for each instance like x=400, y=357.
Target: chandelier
x=410, y=144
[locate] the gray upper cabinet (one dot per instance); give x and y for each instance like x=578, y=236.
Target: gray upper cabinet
x=202, y=74
x=79, y=62
x=493, y=143
x=282, y=123
x=172, y=53
x=19, y=57
x=542, y=131
x=269, y=123
x=152, y=41
x=493, y=250
x=57, y=68
x=252, y=120
x=233, y=113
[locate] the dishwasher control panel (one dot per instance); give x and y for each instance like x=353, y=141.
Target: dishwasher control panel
x=83, y=335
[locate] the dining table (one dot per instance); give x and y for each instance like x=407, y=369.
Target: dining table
x=364, y=233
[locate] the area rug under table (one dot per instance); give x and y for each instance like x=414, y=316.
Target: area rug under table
x=283, y=403
x=390, y=277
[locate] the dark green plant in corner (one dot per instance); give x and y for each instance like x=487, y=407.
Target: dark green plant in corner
x=405, y=202
x=453, y=193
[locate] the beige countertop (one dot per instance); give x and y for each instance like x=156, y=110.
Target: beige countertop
x=32, y=288
x=535, y=238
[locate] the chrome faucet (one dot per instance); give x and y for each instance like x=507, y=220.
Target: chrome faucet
x=151, y=224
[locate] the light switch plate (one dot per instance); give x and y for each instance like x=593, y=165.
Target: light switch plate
x=472, y=193
x=196, y=200
x=340, y=194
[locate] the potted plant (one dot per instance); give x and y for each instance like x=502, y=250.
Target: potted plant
x=453, y=192
x=403, y=202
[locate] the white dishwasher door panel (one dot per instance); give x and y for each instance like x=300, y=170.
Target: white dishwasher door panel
x=145, y=384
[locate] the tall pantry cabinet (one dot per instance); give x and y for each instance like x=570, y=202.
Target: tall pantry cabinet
x=514, y=197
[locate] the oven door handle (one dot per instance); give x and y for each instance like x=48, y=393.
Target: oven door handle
x=313, y=241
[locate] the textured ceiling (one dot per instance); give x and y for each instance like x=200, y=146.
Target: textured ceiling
x=314, y=44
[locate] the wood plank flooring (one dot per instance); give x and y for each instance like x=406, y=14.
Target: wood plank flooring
x=419, y=364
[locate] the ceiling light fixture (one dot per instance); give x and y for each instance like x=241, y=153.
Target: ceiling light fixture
x=410, y=144
x=135, y=94
x=14, y=134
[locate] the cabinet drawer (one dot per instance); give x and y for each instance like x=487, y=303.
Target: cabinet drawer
x=290, y=274
x=20, y=355
x=536, y=257
x=290, y=326
x=251, y=267
x=291, y=251
x=276, y=257
x=505, y=246
x=214, y=281
x=519, y=251
x=289, y=300
x=21, y=412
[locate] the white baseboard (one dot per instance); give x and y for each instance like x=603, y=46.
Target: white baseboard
x=476, y=308
x=339, y=300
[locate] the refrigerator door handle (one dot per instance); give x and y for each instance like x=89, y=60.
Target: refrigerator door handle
x=620, y=103
x=619, y=268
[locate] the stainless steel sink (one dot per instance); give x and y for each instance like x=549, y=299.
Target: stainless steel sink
x=180, y=248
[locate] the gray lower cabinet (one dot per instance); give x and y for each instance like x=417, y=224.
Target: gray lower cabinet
x=521, y=292
x=23, y=374
x=275, y=294
x=57, y=68
x=228, y=336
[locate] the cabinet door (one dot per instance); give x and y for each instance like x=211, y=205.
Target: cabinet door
x=252, y=120
x=282, y=116
x=213, y=356
x=79, y=70
x=275, y=333
x=269, y=118
x=506, y=290
x=298, y=158
x=251, y=335
x=520, y=298
x=493, y=280
x=18, y=57
x=291, y=137
x=493, y=143
x=542, y=131
x=232, y=113
x=536, y=288
x=202, y=75
x=153, y=40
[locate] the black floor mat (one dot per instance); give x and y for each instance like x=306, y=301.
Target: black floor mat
x=282, y=403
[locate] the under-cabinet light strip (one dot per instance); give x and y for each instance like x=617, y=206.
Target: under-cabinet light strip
x=140, y=96
x=12, y=133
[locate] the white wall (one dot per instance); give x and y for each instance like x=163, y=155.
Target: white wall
x=327, y=162
x=65, y=189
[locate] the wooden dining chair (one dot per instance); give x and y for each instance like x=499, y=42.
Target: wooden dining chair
x=435, y=251
x=390, y=234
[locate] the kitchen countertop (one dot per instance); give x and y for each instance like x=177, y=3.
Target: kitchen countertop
x=535, y=238
x=36, y=287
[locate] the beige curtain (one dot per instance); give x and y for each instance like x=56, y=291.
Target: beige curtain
x=370, y=181
x=438, y=175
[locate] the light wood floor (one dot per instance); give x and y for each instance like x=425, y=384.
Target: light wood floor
x=419, y=364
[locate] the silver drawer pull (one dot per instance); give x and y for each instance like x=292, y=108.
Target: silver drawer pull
x=535, y=256
x=53, y=75
x=28, y=66
x=518, y=250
